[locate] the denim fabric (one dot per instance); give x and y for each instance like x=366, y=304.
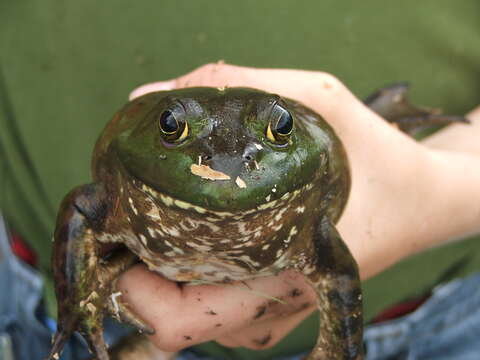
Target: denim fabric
x=446, y=327
x=20, y=297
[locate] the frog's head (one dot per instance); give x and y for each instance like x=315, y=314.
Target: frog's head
x=226, y=150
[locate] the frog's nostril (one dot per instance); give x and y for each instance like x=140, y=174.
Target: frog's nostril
x=251, y=151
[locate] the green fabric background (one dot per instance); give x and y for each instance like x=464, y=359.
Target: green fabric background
x=67, y=66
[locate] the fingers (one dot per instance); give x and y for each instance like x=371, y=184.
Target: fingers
x=193, y=314
x=152, y=87
x=270, y=332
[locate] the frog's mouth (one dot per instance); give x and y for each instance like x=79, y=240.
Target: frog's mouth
x=172, y=202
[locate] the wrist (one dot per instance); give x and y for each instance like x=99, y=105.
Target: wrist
x=454, y=196
x=384, y=218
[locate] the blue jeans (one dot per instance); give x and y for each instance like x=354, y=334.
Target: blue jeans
x=445, y=327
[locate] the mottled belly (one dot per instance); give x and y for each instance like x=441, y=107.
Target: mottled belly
x=204, y=270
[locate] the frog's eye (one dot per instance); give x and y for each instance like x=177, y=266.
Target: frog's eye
x=280, y=126
x=172, y=127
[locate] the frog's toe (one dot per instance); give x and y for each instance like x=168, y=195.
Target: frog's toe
x=91, y=329
x=58, y=341
x=96, y=343
x=121, y=312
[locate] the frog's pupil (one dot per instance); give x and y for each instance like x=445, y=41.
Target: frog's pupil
x=168, y=123
x=285, y=122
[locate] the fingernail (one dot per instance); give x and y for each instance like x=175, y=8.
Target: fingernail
x=152, y=87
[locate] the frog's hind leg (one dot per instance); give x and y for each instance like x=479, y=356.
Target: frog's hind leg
x=334, y=276
x=391, y=102
x=82, y=283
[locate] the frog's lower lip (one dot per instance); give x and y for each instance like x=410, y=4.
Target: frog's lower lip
x=181, y=204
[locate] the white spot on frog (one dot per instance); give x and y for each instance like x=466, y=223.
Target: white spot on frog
x=199, y=247
x=267, y=205
x=114, y=238
x=153, y=213
x=286, y=195
x=278, y=227
x=292, y=233
x=182, y=204
x=280, y=213
x=300, y=209
x=152, y=232
x=134, y=209
x=172, y=231
x=242, y=229
x=178, y=251
x=143, y=239
x=240, y=183
x=167, y=200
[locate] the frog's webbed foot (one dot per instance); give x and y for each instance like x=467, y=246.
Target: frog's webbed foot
x=83, y=281
x=392, y=104
x=333, y=274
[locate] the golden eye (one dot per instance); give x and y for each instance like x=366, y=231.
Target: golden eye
x=173, y=129
x=280, y=126
x=184, y=133
x=269, y=133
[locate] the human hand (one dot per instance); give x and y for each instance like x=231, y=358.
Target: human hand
x=394, y=199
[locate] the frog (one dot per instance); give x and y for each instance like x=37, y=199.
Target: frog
x=215, y=185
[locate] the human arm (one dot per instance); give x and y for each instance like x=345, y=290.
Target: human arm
x=403, y=198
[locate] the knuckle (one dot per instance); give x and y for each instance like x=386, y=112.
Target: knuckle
x=328, y=81
x=206, y=68
x=211, y=74
x=211, y=70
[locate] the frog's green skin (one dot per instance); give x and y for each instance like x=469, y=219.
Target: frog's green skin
x=145, y=197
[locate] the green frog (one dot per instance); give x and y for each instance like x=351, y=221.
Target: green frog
x=215, y=185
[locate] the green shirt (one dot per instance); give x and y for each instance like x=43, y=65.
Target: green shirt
x=67, y=66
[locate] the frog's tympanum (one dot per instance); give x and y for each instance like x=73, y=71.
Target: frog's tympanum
x=216, y=185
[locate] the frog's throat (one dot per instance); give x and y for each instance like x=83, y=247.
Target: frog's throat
x=180, y=204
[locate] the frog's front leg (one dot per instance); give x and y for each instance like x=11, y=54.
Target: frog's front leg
x=83, y=280
x=333, y=273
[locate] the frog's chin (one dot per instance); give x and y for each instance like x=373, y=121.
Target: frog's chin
x=183, y=205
